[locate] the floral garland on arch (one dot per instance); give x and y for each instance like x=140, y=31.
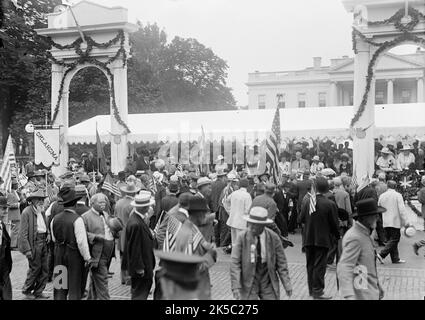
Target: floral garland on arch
x=416, y=16
x=84, y=57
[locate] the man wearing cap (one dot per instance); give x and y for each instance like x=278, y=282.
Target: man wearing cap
x=190, y=240
x=393, y=219
x=356, y=270
x=101, y=244
x=180, y=275
x=405, y=158
x=300, y=164
x=320, y=224
x=138, y=258
x=5, y=254
x=386, y=161
x=71, y=249
x=14, y=202
x=32, y=242
x=239, y=202
x=123, y=208
x=258, y=261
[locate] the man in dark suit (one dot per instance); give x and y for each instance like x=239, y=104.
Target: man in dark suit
x=138, y=257
x=283, y=200
x=5, y=254
x=320, y=225
x=302, y=188
x=216, y=189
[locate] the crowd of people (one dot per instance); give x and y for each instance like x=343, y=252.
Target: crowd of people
x=182, y=214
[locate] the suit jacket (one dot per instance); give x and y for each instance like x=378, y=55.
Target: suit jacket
x=138, y=248
x=282, y=202
x=303, y=187
x=320, y=225
x=216, y=189
x=28, y=229
x=13, y=201
x=123, y=209
x=304, y=165
x=5, y=256
x=242, y=270
x=94, y=226
x=358, y=254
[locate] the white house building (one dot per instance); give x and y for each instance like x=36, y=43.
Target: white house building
x=399, y=79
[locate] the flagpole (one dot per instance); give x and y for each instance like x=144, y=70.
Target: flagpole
x=97, y=153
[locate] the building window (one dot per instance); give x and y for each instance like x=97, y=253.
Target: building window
x=322, y=99
x=261, y=101
x=301, y=100
x=405, y=96
x=379, y=97
x=281, y=100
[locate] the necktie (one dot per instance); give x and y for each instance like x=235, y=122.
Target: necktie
x=299, y=164
x=258, y=251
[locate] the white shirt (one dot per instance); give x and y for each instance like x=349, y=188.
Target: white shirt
x=396, y=211
x=108, y=234
x=80, y=236
x=403, y=162
x=386, y=164
x=41, y=225
x=240, y=203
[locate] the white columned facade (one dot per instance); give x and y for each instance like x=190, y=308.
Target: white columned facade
x=363, y=148
x=119, y=151
x=420, y=90
x=333, y=94
x=61, y=118
x=390, y=91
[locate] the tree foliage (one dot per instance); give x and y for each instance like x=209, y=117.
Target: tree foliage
x=180, y=75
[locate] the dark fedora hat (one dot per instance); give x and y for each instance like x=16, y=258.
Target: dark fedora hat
x=69, y=197
x=368, y=207
x=198, y=204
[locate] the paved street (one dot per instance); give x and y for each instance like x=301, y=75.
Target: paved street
x=400, y=282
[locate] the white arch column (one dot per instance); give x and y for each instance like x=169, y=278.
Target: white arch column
x=62, y=116
x=363, y=148
x=119, y=151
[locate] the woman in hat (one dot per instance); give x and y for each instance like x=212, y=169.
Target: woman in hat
x=356, y=270
x=386, y=161
x=405, y=158
x=258, y=261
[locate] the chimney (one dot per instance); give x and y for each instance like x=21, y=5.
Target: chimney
x=317, y=62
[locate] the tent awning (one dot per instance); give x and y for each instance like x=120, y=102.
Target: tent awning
x=332, y=122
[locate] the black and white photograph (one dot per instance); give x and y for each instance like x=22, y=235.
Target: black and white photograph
x=230, y=151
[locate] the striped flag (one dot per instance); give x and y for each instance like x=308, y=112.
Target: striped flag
x=313, y=200
x=50, y=193
x=272, y=149
x=8, y=165
x=109, y=185
x=173, y=228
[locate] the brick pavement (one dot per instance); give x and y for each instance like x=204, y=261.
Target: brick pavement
x=399, y=283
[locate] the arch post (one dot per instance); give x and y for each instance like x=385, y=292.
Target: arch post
x=62, y=118
x=119, y=146
x=363, y=146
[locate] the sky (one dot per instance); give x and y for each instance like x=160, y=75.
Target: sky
x=251, y=35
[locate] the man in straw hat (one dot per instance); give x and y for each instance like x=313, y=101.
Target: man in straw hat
x=71, y=250
x=138, y=258
x=180, y=275
x=405, y=158
x=5, y=254
x=14, y=202
x=386, y=161
x=32, y=242
x=258, y=260
x=356, y=270
x=123, y=209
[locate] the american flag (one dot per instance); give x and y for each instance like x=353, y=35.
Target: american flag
x=272, y=149
x=173, y=228
x=109, y=185
x=8, y=165
x=312, y=205
x=50, y=193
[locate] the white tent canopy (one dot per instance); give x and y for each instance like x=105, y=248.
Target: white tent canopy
x=395, y=121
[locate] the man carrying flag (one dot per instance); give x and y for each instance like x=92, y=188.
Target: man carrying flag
x=320, y=218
